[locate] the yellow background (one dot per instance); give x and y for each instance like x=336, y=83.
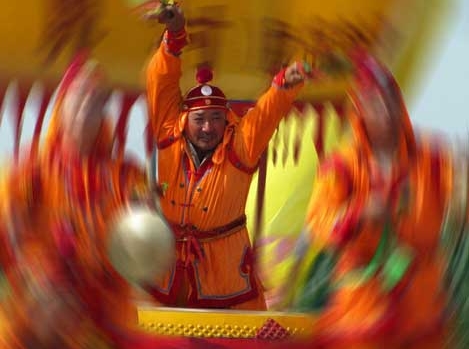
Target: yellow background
x=239, y=38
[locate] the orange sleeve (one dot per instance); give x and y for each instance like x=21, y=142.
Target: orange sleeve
x=163, y=92
x=332, y=216
x=258, y=125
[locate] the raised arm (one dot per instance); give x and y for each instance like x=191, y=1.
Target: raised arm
x=164, y=71
x=258, y=125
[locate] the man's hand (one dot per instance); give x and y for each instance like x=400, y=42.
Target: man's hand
x=170, y=15
x=300, y=71
x=294, y=74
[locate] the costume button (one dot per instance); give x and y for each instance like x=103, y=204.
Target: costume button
x=173, y=202
x=205, y=209
x=181, y=185
x=199, y=189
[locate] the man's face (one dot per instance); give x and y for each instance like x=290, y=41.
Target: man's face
x=205, y=128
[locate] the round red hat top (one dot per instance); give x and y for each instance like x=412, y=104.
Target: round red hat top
x=204, y=95
x=204, y=75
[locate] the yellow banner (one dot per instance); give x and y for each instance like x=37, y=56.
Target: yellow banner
x=244, y=41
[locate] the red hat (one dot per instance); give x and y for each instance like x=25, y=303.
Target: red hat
x=204, y=96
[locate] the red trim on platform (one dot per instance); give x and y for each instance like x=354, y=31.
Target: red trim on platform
x=229, y=343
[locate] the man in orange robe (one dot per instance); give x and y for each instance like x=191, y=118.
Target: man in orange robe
x=206, y=157
x=58, y=288
x=378, y=207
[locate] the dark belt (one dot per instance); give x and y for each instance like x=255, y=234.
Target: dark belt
x=192, y=237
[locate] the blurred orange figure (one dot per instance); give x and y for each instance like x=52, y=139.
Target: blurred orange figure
x=378, y=206
x=60, y=290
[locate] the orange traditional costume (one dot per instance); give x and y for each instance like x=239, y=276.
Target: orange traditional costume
x=205, y=204
x=386, y=286
x=59, y=289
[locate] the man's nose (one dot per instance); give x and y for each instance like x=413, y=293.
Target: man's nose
x=207, y=126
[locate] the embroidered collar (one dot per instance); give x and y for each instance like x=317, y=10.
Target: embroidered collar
x=195, y=157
